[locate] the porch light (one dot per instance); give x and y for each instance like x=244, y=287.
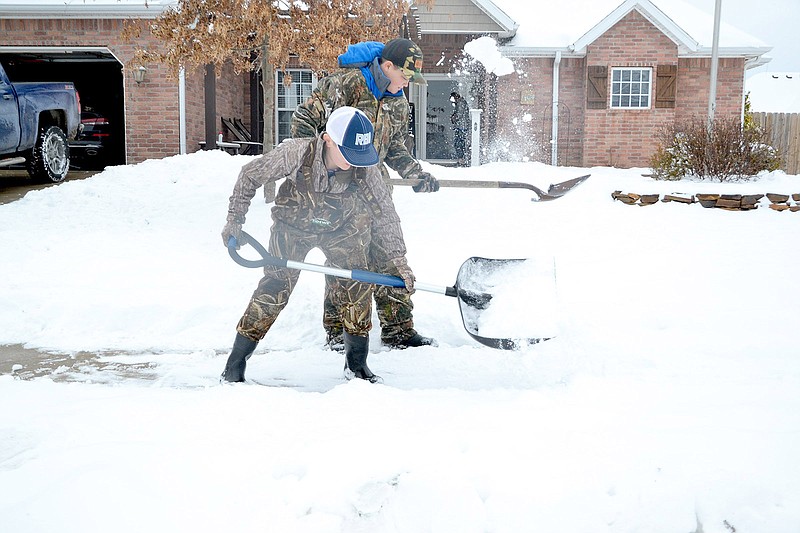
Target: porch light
x=139, y=74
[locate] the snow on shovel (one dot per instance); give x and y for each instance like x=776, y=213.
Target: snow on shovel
x=472, y=300
x=555, y=191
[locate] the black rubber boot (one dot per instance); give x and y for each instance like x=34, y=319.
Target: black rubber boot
x=356, y=350
x=237, y=360
x=415, y=341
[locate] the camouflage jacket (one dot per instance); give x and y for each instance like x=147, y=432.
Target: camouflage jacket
x=389, y=116
x=312, y=201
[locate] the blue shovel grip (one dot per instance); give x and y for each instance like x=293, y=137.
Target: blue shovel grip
x=378, y=279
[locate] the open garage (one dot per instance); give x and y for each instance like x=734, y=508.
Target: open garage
x=97, y=76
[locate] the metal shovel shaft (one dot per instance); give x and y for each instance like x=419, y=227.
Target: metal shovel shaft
x=556, y=190
x=358, y=275
x=473, y=300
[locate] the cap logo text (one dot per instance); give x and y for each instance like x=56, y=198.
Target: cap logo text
x=363, y=139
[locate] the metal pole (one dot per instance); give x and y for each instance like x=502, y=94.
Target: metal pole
x=182, y=110
x=712, y=94
x=554, y=132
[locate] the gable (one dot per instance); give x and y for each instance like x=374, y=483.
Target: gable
x=651, y=13
x=464, y=17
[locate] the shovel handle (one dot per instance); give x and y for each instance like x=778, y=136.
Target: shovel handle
x=472, y=184
x=269, y=259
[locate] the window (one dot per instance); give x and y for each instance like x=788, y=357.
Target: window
x=630, y=88
x=288, y=98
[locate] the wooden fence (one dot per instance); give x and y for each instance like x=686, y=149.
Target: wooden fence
x=784, y=131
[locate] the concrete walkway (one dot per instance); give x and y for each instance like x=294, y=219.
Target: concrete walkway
x=14, y=184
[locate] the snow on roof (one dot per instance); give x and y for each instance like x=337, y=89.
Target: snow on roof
x=560, y=25
x=774, y=92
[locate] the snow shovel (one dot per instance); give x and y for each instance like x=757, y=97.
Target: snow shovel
x=470, y=302
x=555, y=191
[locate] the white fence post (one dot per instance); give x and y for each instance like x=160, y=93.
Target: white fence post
x=475, y=137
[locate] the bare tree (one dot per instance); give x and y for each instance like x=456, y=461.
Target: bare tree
x=266, y=34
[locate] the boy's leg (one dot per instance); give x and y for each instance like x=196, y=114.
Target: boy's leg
x=394, y=307
x=275, y=288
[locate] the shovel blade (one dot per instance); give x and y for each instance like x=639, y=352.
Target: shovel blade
x=507, y=303
x=557, y=190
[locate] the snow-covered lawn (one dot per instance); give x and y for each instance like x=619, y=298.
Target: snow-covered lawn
x=669, y=399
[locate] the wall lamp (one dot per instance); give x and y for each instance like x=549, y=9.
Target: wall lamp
x=139, y=74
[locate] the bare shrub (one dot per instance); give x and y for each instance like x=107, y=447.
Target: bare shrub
x=723, y=151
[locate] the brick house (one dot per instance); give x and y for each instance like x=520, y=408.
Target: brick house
x=581, y=71
x=613, y=74
x=80, y=42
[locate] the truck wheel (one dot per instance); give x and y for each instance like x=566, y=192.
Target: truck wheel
x=50, y=158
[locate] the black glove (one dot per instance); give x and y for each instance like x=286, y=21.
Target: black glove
x=404, y=271
x=232, y=229
x=427, y=183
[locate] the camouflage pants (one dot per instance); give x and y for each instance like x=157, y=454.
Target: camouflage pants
x=344, y=248
x=394, y=306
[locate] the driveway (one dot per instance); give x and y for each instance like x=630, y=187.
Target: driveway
x=14, y=184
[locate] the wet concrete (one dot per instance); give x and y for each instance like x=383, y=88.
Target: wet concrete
x=14, y=184
x=26, y=363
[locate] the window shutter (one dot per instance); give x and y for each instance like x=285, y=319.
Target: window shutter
x=597, y=87
x=666, y=82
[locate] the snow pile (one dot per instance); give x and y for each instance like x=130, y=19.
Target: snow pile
x=668, y=401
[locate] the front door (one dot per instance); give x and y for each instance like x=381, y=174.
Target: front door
x=439, y=131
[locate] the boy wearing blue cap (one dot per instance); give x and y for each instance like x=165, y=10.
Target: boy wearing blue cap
x=334, y=199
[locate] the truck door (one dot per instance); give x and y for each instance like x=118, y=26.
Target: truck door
x=9, y=117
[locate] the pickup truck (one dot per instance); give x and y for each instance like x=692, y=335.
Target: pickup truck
x=37, y=121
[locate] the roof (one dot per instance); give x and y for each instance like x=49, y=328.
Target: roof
x=571, y=25
x=49, y=9
x=774, y=92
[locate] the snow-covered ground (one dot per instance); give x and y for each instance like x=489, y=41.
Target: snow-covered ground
x=669, y=400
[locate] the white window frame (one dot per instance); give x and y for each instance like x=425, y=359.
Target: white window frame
x=299, y=92
x=628, y=87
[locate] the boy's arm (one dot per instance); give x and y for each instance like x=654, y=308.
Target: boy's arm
x=283, y=161
x=310, y=117
x=397, y=155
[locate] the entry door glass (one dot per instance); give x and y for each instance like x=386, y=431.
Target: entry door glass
x=439, y=136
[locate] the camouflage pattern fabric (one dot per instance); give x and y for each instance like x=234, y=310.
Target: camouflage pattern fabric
x=389, y=116
x=343, y=248
x=340, y=213
x=308, y=188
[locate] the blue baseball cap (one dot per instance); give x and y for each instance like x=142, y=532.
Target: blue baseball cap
x=353, y=133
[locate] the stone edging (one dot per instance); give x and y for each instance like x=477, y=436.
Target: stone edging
x=729, y=202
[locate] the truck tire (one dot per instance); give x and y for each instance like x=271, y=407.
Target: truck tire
x=49, y=161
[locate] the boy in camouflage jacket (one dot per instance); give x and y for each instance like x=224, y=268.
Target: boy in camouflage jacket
x=335, y=199
x=372, y=79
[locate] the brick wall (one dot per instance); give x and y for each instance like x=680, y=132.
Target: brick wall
x=152, y=107
x=694, y=81
x=524, y=102
x=525, y=112
x=626, y=137
x=442, y=53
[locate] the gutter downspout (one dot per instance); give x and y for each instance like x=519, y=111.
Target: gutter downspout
x=182, y=110
x=712, y=93
x=554, y=132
